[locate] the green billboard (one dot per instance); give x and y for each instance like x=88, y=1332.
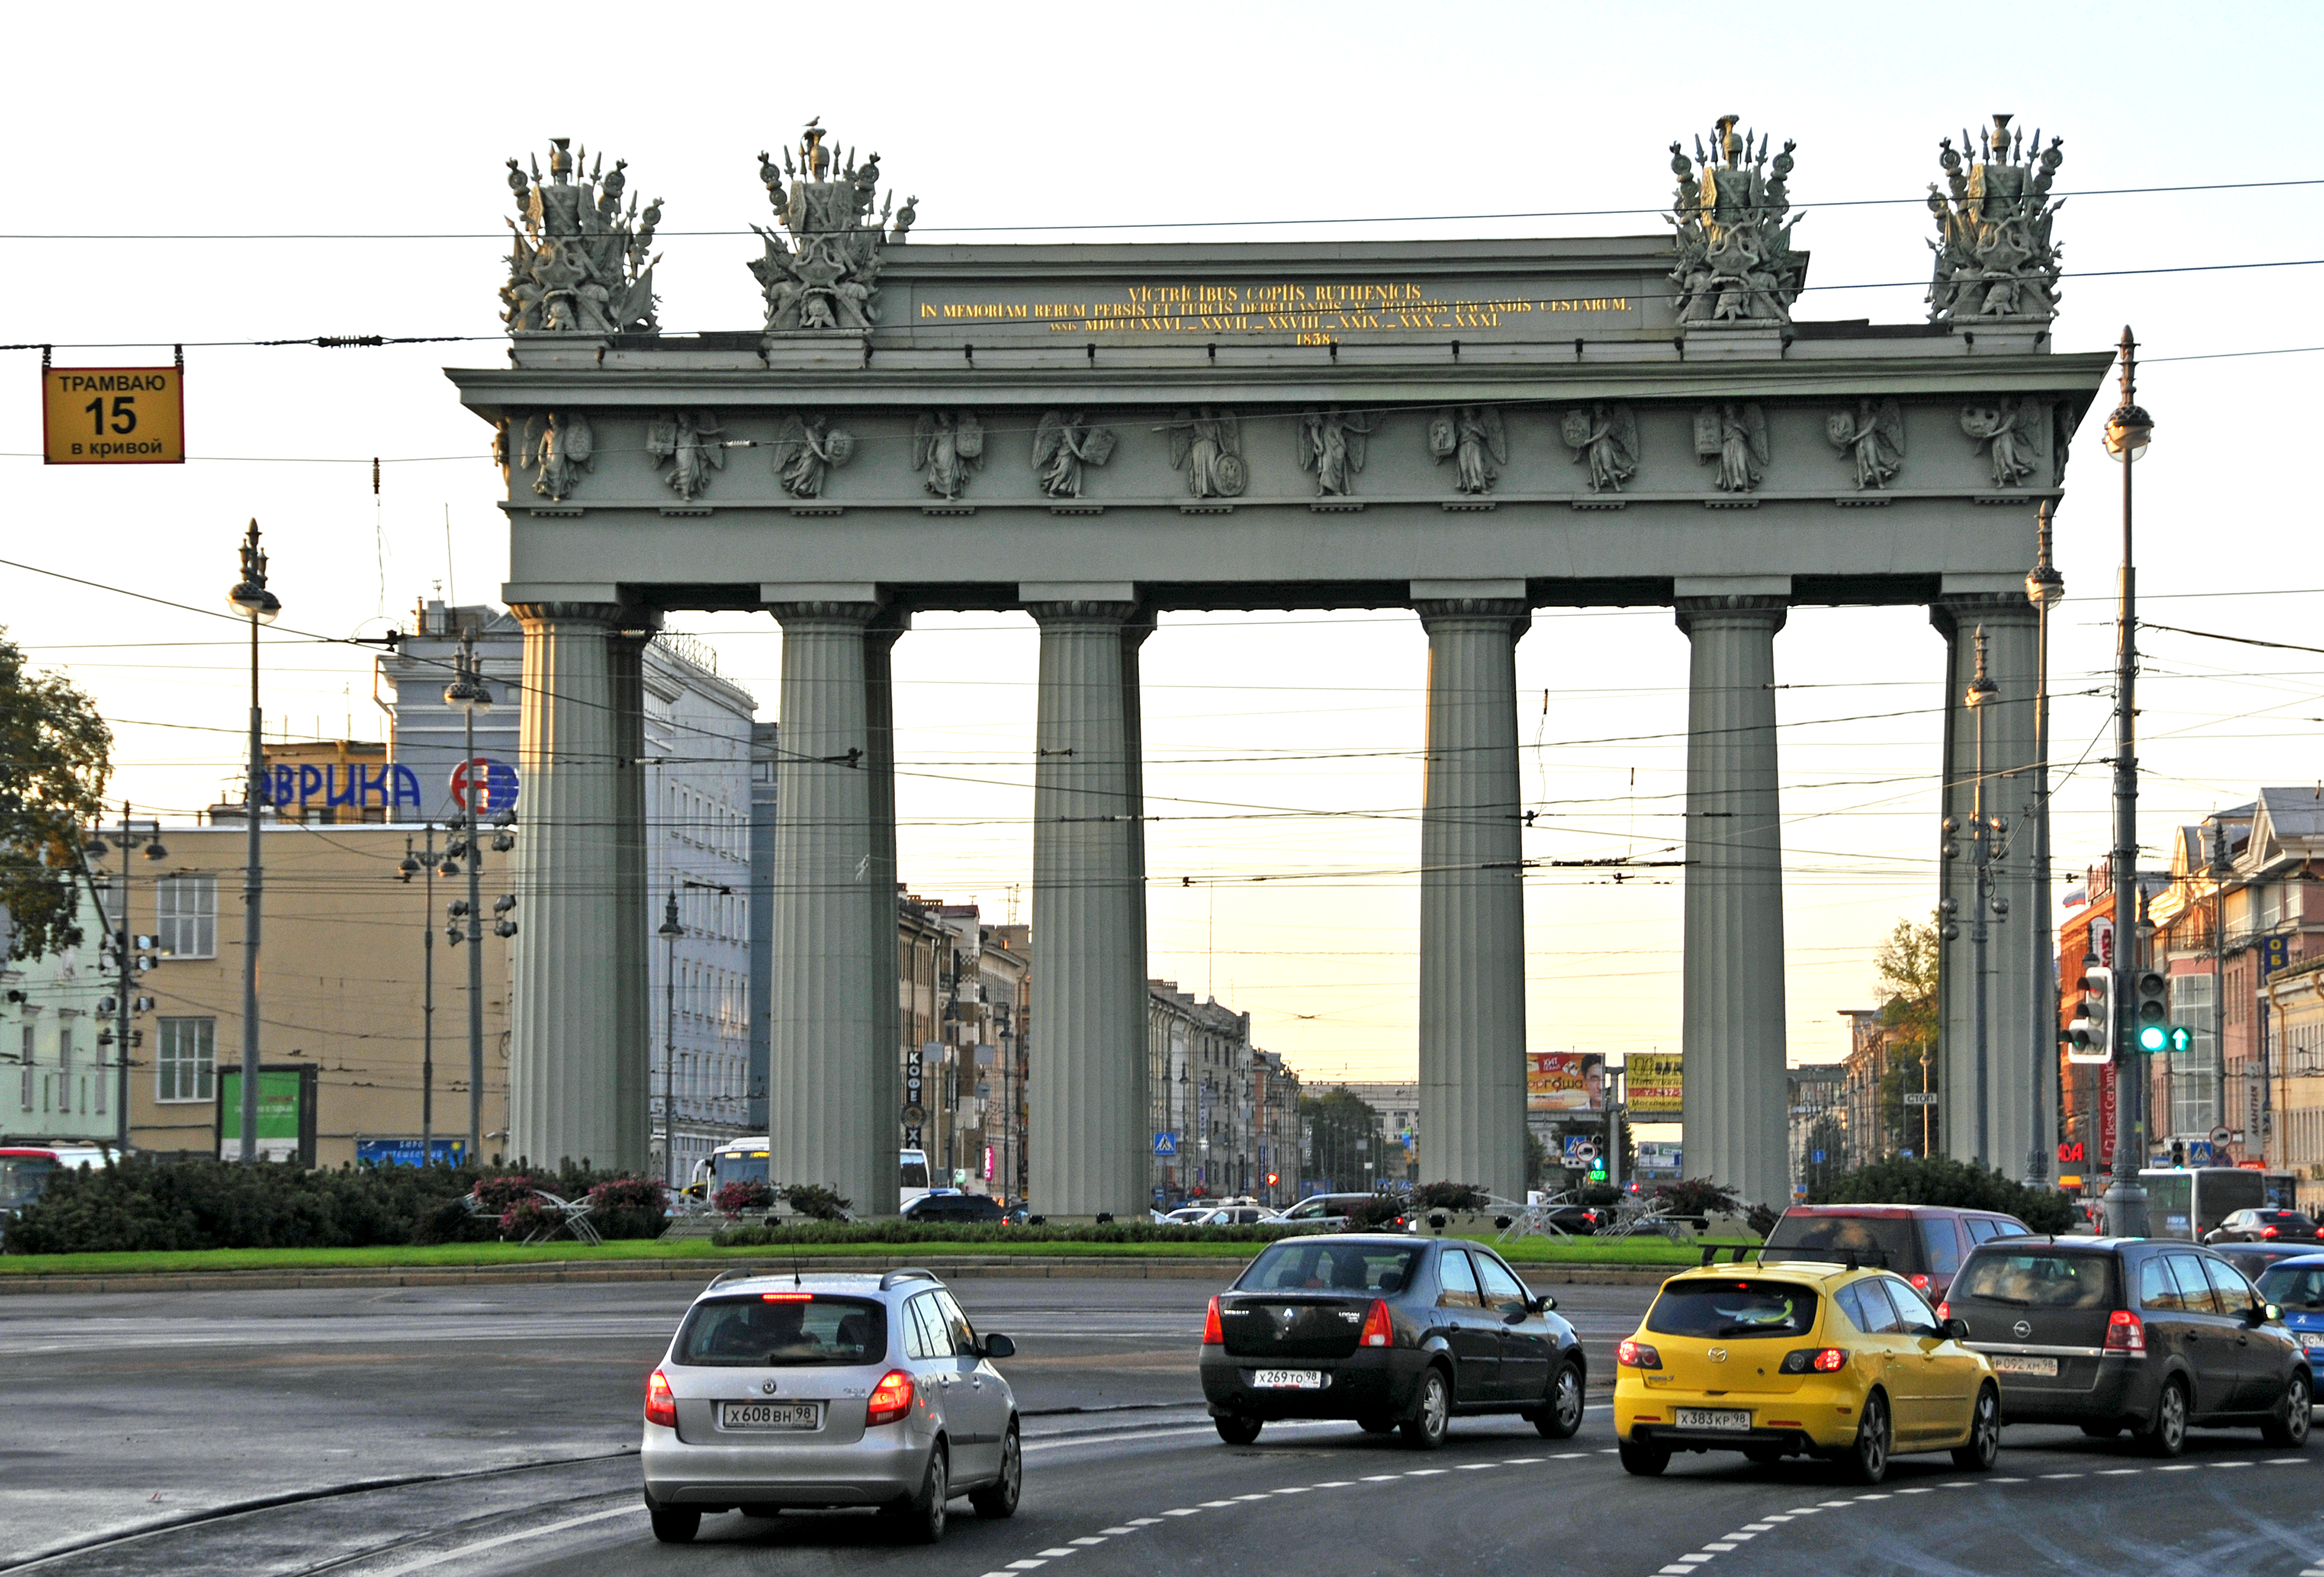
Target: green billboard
x=286, y=1113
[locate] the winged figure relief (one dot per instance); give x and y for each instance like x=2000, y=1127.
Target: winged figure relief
x=1605, y=437
x=1873, y=436
x=687, y=442
x=1332, y=445
x=1473, y=439
x=808, y=450
x=946, y=446
x=1735, y=434
x=556, y=447
x=2016, y=435
x=1063, y=446
x=1206, y=443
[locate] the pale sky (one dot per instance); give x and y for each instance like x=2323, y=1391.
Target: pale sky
x=1279, y=746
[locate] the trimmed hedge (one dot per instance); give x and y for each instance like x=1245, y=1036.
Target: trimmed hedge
x=901, y=1232
x=1963, y=1184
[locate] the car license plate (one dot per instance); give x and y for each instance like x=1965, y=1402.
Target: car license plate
x=1287, y=1379
x=2019, y=1363
x=1713, y=1419
x=769, y=1414
x=2313, y=1342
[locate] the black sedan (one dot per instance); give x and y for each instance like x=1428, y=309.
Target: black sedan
x=2263, y=1226
x=1391, y=1332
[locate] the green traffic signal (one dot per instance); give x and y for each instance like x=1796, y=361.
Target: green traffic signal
x=2154, y=1037
x=2182, y=1038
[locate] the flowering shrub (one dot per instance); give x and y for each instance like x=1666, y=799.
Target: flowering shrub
x=527, y=1216
x=734, y=1198
x=498, y=1195
x=628, y=1207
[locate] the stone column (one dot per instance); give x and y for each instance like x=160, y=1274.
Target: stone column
x=887, y=1071
x=2012, y=635
x=566, y=1047
x=1088, y=1141
x=633, y=975
x=1472, y=1025
x=1732, y=1026
x=825, y=1082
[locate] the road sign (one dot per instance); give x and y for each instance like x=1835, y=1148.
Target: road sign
x=2199, y=1154
x=114, y=416
x=2220, y=1136
x=497, y=779
x=1816, y=1156
x=1165, y=1144
x=1920, y=1098
x=1580, y=1153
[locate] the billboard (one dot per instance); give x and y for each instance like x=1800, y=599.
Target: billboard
x=1565, y=1081
x=1657, y=1081
x=1657, y=1160
x=401, y=1152
x=286, y=1113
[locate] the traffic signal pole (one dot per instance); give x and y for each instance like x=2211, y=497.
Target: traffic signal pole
x=2128, y=431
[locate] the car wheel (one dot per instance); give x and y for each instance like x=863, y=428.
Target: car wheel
x=1984, y=1444
x=1563, y=1417
x=1647, y=1461
x=2165, y=1434
x=2288, y=1425
x=1432, y=1412
x=998, y=1499
x=1867, y=1461
x=1377, y=1424
x=1236, y=1430
x=674, y=1525
x=920, y=1520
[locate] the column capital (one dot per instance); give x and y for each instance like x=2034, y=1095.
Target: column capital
x=1439, y=613
x=825, y=611
x=1086, y=610
x=1741, y=607
x=1962, y=611
x=613, y=615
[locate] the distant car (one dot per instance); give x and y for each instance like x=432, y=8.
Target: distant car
x=1922, y=1243
x=2253, y=1258
x=2295, y=1285
x=1184, y=1214
x=1392, y=1331
x=1229, y=1215
x=2152, y=1335
x=844, y=1391
x=953, y=1209
x=2261, y=1226
x=1332, y=1211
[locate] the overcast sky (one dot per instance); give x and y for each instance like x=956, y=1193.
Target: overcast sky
x=157, y=123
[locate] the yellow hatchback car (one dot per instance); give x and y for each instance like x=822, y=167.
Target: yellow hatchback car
x=1791, y=1358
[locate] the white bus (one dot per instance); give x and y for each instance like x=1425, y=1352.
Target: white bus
x=745, y=1160
x=2186, y=1201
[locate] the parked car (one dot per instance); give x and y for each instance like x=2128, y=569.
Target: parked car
x=1328, y=1210
x=1801, y=1357
x=2150, y=1335
x=1922, y=1243
x=1391, y=1332
x=2261, y=1226
x=953, y=1208
x=846, y=1390
x=1225, y=1215
x=2295, y=1285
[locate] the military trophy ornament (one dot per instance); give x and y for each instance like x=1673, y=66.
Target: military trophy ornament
x=1995, y=258
x=580, y=264
x=826, y=276
x=1736, y=264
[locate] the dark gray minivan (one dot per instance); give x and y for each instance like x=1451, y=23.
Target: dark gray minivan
x=2115, y=1333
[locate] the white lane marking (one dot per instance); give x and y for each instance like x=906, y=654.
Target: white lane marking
x=1025, y=1566
x=1207, y=1505
x=1290, y=1489
x=2230, y=1464
x=1918, y=1490
x=2116, y=1472
x=1880, y=1497
x=1145, y=1521
x=1380, y=1478
x=1426, y=1473
x=1739, y=1534
x=2179, y=1468
x=1521, y=1461
x=1087, y=1541
x=2286, y=1462
x=1117, y=1532
x=1183, y=1511
x=1567, y=1456
x=1052, y=1554
x=441, y=1556
x=1722, y=1546
x=1476, y=1467
x=2061, y=1475
x=1336, y=1484
x=2000, y=1480
x=1251, y=1497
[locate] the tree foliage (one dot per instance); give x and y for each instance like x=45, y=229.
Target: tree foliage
x=55, y=756
x=1963, y=1184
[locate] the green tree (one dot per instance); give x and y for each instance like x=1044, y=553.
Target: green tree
x=1825, y=1139
x=1960, y=1184
x=55, y=757
x=1343, y=1132
x=1905, y=974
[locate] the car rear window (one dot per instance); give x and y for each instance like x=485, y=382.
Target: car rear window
x=1748, y=1307
x=782, y=1330
x=2293, y=1286
x=2039, y=1278
x=1888, y=1242
x=1320, y=1265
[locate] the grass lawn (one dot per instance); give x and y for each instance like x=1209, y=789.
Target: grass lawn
x=1646, y=1252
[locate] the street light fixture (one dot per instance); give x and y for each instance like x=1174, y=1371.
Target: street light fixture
x=669, y=933
x=409, y=867
x=2045, y=588
x=250, y=597
x=2128, y=432
x=469, y=695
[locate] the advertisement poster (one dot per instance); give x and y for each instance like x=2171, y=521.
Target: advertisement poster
x=1565, y=1081
x=1659, y=1160
x=1657, y=1084
x=286, y=1115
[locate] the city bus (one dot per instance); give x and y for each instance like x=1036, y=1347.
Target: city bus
x=745, y=1160
x=2186, y=1201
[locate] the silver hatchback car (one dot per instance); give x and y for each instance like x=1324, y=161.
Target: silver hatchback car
x=829, y=1390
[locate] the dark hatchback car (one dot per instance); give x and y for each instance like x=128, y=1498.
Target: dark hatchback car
x=1922, y=1243
x=2137, y=1334
x=2263, y=1226
x=1391, y=1332
x=956, y=1209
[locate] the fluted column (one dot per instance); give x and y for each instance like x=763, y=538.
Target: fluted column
x=1088, y=1143
x=887, y=1070
x=1473, y=1026
x=826, y=1061
x=633, y=1010
x=2011, y=791
x=564, y=1011
x=1732, y=1020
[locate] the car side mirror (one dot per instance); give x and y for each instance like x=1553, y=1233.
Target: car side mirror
x=996, y=1345
x=1542, y=1304
x=2272, y=1311
x=1954, y=1329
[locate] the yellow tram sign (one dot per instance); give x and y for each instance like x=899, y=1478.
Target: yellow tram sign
x=114, y=416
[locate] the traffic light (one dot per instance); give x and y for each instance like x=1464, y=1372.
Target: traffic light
x=2182, y=1038
x=2150, y=994
x=2089, y=1038
x=2177, y=1152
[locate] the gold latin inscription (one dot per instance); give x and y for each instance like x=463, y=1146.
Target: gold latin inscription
x=1316, y=312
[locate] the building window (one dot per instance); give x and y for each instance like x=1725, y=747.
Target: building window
x=188, y=1060
x=185, y=910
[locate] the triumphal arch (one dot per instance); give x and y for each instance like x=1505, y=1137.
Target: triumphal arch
x=1101, y=436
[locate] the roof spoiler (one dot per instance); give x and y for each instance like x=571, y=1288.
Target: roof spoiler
x=1710, y=1254
x=908, y=1274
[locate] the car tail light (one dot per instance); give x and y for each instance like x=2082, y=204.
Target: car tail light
x=1213, y=1333
x=1944, y=1312
x=1635, y=1354
x=786, y=1297
x=1920, y=1283
x=1377, y=1331
x=661, y=1408
x=1815, y=1360
x=2270, y=1232
x=891, y=1398
x=2124, y=1332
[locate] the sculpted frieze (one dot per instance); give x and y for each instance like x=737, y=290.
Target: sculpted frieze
x=1605, y=439
x=578, y=263
x=555, y=447
x=1735, y=436
x=1734, y=231
x=1873, y=436
x=1475, y=439
x=808, y=450
x=1064, y=447
x=826, y=276
x=946, y=447
x=1995, y=257
x=2015, y=436
x=1206, y=444
x=690, y=443
x=1332, y=447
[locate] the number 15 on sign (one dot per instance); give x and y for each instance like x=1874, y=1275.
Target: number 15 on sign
x=114, y=416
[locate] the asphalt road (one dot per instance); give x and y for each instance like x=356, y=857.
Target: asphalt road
x=518, y=1407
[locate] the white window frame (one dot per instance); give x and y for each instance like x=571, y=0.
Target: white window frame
x=184, y=928
x=167, y=1060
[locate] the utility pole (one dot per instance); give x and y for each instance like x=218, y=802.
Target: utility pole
x=468, y=693
x=412, y=865
x=251, y=598
x=669, y=933
x=2045, y=586
x=2128, y=433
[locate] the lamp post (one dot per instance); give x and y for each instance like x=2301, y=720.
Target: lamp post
x=251, y=598
x=411, y=866
x=2219, y=867
x=467, y=692
x=2044, y=587
x=669, y=933
x=2128, y=433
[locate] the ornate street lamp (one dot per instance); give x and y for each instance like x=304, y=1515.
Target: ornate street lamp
x=250, y=597
x=2128, y=431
